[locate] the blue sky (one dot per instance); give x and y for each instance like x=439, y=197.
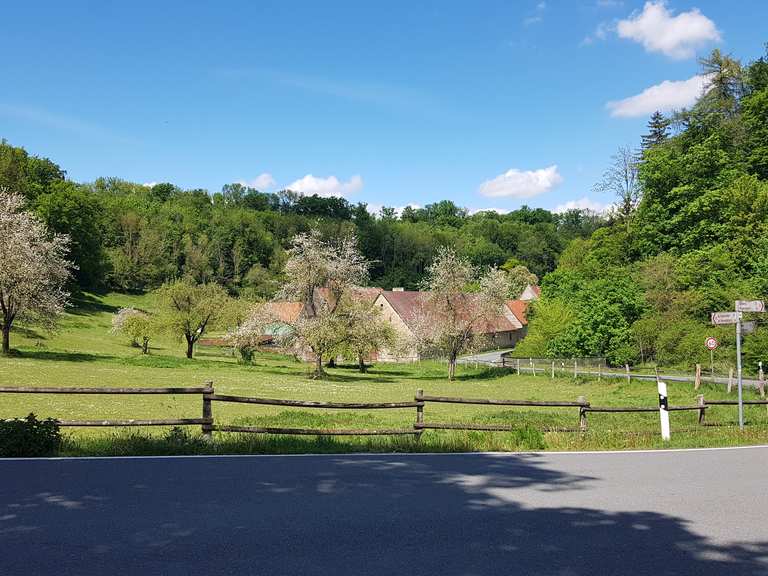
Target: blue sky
x=492, y=104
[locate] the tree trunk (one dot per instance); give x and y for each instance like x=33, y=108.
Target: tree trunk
x=6, y=339
x=145, y=345
x=361, y=363
x=332, y=363
x=190, y=347
x=319, y=372
x=451, y=366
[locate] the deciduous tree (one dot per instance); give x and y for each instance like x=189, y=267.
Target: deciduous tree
x=451, y=320
x=189, y=309
x=33, y=268
x=136, y=324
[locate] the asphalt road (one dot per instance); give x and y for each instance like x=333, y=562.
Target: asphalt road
x=681, y=512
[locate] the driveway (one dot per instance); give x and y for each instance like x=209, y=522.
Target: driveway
x=676, y=512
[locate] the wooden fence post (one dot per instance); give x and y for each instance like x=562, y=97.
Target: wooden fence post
x=629, y=375
x=419, y=412
x=533, y=366
x=730, y=380
x=761, y=380
x=503, y=361
x=700, y=402
x=582, y=414
x=697, y=378
x=575, y=369
x=599, y=371
x=553, y=369
x=207, y=429
x=518, y=366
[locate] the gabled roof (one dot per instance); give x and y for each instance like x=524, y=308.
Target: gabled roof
x=519, y=309
x=288, y=312
x=406, y=304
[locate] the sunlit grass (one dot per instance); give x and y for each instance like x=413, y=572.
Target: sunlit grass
x=84, y=353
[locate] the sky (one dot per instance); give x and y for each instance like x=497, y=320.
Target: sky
x=490, y=104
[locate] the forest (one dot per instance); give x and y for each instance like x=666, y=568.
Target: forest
x=688, y=233
x=689, y=238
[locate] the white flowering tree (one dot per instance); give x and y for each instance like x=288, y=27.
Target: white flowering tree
x=457, y=305
x=136, y=324
x=322, y=276
x=33, y=268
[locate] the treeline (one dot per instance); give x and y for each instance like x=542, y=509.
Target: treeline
x=690, y=237
x=131, y=237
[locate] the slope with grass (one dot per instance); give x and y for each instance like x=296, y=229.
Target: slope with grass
x=84, y=353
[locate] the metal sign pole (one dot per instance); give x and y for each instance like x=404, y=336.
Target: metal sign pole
x=738, y=373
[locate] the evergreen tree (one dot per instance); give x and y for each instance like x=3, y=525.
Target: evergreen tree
x=658, y=131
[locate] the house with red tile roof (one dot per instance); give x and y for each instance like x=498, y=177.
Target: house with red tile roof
x=400, y=309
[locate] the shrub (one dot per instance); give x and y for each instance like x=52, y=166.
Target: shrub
x=29, y=437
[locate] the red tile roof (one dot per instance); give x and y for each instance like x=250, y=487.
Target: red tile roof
x=519, y=308
x=406, y=304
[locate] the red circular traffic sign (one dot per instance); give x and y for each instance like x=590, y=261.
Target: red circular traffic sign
x=711, y=343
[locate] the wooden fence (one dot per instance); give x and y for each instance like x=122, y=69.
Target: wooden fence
x=597, y=368
x=209, y=396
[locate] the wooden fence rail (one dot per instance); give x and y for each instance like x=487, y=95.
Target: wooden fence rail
x=206, y=422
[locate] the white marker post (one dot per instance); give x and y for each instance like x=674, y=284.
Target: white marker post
x=663, y=410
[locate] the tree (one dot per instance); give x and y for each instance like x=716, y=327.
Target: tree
x=620, y=179
x=726, y=83
x=33, y=268
x=365, y=330
x=189, y=309
x=452, y=320
x=321, y=275
x=518, y=278
x=72, y=209
x=136, y=324
x=658, y=131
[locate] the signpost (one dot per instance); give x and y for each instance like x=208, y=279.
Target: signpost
x=735, y=318
x=711, y=343
x=750, y=306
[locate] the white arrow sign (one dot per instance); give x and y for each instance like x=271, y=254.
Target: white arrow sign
x=725, y=317
x=750, y=306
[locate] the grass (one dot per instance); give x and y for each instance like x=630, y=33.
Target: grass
x=84, y=353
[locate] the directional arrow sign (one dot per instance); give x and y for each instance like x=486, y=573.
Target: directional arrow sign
x=750, y=305
x=725, y=317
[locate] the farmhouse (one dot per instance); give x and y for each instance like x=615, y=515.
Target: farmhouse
x=400, y=308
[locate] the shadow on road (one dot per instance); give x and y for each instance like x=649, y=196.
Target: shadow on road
x=452, y=515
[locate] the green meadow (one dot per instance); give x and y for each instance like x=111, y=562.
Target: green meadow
x=84, y=353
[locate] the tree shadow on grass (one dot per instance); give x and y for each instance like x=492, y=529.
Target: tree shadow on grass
x=462, y=515
x=87, y=304
x=62, y=356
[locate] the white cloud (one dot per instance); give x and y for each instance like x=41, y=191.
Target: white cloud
x=659, y=31
x=149, y=184
x=601, y=31
x=669, y=95
x=330, y=186
x=582, y=204
x=263, y=181
x=522, y=183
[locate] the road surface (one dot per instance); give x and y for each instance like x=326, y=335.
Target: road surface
x=678, y=512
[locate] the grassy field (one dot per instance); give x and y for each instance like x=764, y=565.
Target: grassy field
x=84, y=353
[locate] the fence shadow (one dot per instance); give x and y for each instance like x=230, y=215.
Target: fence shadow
x=367, y=515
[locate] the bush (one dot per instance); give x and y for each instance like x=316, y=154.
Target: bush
x=29, y=437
